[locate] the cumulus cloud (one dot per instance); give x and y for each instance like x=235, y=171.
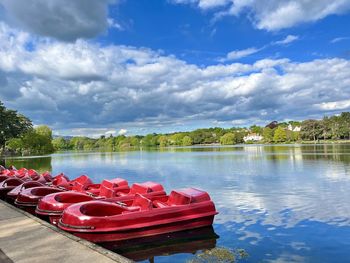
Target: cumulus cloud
x=62, y=19
x=122, y=131
x=334, y=105
x=287, y=40
x=273, y=15
x=83, y=86
x=237, y=54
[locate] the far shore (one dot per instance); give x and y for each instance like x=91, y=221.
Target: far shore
x=319, y=142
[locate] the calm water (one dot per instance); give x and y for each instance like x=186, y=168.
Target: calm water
x=278, y=203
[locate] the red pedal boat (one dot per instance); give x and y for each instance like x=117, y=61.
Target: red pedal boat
x=52, y=205
x=12, y=195
x=100, y=221
x=29, y=198
x=9, y=184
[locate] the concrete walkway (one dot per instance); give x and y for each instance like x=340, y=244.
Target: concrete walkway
x=27, y=239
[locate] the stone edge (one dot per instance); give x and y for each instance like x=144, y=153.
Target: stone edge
x=105, y=252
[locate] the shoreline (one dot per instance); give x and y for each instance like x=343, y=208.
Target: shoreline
x=320, y=142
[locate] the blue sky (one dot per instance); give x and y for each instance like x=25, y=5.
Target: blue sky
x=89, y=67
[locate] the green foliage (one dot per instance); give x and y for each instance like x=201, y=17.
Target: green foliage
x=32, y=143
x=176, y=139
x=280, y=135
x=12, y=125
x=256, y=129
x=187, y=141
x=60, y=144
x=35, y=143
x=163, y=141
x=268, y=134
x=150, y=140
x=311, y=130
x=228, y=139
x=219, y=255
x=44, y=130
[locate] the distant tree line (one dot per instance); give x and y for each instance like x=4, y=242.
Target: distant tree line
x=329, y=128
x=199, y=136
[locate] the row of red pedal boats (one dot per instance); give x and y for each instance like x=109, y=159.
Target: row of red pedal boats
x=109, y=211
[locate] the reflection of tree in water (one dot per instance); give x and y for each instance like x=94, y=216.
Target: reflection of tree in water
x=39, y=164
x=332, y=152
x=219, y=255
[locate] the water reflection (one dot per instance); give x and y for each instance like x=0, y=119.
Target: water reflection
x=41, y=164
x=150, y=248
x=280, y=203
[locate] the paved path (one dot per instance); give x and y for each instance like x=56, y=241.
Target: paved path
x=27, y=239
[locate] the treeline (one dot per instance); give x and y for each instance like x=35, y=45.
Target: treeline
x=199, y=136
x=18, y=137
x=329, y=128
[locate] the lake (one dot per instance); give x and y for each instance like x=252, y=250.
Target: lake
x=279, y=203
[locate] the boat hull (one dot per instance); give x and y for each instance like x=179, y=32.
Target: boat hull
x=99, y=237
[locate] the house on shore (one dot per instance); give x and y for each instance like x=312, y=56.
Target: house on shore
x=252, y=137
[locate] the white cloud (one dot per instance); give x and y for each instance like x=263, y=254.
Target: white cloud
x=122, y=131
x=110, y=132
x=338, y=39
x=273, y=15
x=334, y=105
x=112, y=23
x=288, y=39
x=237, y=54
x=86, y=86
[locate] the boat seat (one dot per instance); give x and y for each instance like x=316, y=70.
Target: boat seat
x=142, y=202
x=178, y=198
x=136, y=189
x=159, y=204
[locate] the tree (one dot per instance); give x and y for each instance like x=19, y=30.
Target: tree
x=176, y=138
x=150, y=140
x=268, y=134
x=44, y=130
x=311, y=130
x=256, y=129
x=345, y=124
x=35, y=143
x=12, y=125
x=280, y=135
x=228, y=139
x=163, y=141
x=187, y=141
x=60, y=143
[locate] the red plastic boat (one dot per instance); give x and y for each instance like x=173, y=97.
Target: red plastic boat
x=100, y=221
x=9, y=184
x=52, y=205
x=29, y=198
x=12, y=195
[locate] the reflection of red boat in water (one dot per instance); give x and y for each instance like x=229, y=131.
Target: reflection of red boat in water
x=188, y=241
x=100, y=221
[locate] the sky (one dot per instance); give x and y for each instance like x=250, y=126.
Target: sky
x=89, y=68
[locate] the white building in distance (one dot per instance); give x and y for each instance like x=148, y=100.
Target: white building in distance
x=252, y=137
